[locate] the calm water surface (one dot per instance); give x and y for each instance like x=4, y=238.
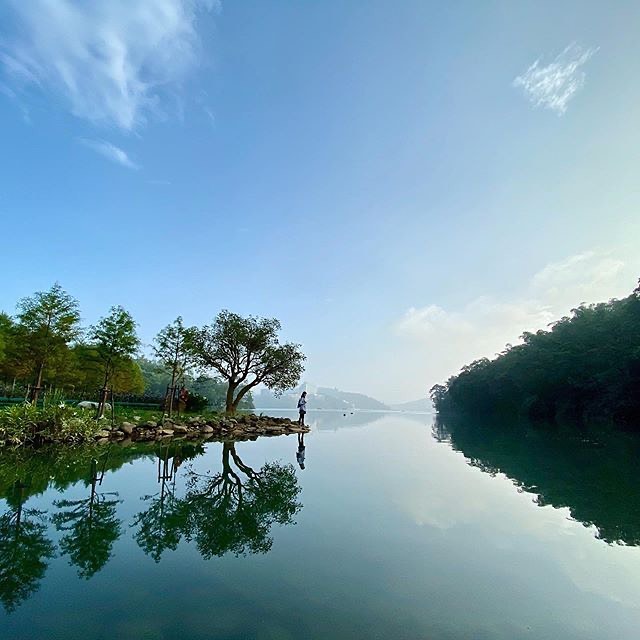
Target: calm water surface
x=395, y=528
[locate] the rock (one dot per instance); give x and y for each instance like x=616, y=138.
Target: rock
x=88, y=404
x=127, y=427
x=179, y=428
x=149, y=424
x=206, y=429
x=166, y=432
x=102, y=441
x=103, y=433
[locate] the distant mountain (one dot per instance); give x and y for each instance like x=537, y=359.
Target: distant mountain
x=424, y=404
x=318, y=398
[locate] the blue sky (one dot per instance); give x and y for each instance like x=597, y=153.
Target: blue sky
x=405, y=185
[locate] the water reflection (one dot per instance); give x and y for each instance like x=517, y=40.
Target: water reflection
x=231, y=511
x=90, y=525
x=302, y=451
x=594, y=473
x=25, y=549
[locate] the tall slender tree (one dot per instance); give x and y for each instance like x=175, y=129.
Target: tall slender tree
x=48, y=322
x=115, y=341
x=173, y=348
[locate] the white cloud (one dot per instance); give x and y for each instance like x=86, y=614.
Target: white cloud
x=111, y=152
x=112, y=62
x=437, y=342
x=553, y=85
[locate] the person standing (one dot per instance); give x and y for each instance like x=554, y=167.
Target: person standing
x=302, y=408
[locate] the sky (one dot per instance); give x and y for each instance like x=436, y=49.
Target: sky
x=406, y=186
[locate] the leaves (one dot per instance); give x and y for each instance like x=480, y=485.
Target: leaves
x=247, y=352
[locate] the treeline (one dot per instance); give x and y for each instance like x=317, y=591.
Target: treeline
x=586, y=367
x=44, y=348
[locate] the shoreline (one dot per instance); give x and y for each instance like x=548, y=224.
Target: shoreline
x=243, y=427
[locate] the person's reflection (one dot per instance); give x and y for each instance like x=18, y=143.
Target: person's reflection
x=301, y=450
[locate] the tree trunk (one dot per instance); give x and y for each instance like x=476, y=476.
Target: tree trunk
x=230, y=408
x=172, y=390
x=36, y=390
x=241, y=394
x=103, y=395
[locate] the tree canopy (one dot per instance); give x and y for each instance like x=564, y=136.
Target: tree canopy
x=47, y=322
x=247, y=352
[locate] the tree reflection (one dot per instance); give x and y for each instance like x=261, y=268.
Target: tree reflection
x=24, y=550
x=231, y=511
x=160, y=525
x=91, y=524
x=593, y=474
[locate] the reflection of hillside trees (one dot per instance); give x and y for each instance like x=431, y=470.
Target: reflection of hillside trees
x=24, y=550
x=230, y=511
x=595, y=476
x=91, y=525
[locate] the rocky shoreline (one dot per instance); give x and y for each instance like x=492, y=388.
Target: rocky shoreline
x=245, y=427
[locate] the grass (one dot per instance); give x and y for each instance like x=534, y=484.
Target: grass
x=57, y=421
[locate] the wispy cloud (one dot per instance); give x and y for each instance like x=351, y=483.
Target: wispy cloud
x=113, y=62
x=554, y=85
x=110, y=151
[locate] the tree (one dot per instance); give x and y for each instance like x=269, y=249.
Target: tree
x=6, y=325
x=115, y=342
x=586, y=367
x=246, y=352
x=173, y=349
x=47, y=322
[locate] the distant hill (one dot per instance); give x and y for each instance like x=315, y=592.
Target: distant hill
x=319, y=398
x=424, y=404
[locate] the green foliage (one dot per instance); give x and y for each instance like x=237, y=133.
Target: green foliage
x=586, y=367
x=173, y=349
x=115, y=341
x=47, y=323
x=246, y=352
x=23, y=423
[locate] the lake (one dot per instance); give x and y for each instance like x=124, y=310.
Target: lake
x=397, y=527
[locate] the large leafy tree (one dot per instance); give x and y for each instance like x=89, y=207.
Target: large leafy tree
x=173, y=348
x=246, y=352
x=48, y=322
x=115, y=342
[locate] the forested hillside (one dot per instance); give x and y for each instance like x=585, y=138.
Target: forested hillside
x=587, y=366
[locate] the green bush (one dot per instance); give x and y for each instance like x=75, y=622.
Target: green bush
x=55, y=419
x=196, y=402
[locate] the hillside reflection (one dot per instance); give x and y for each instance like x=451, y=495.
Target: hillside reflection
x=593, y=474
